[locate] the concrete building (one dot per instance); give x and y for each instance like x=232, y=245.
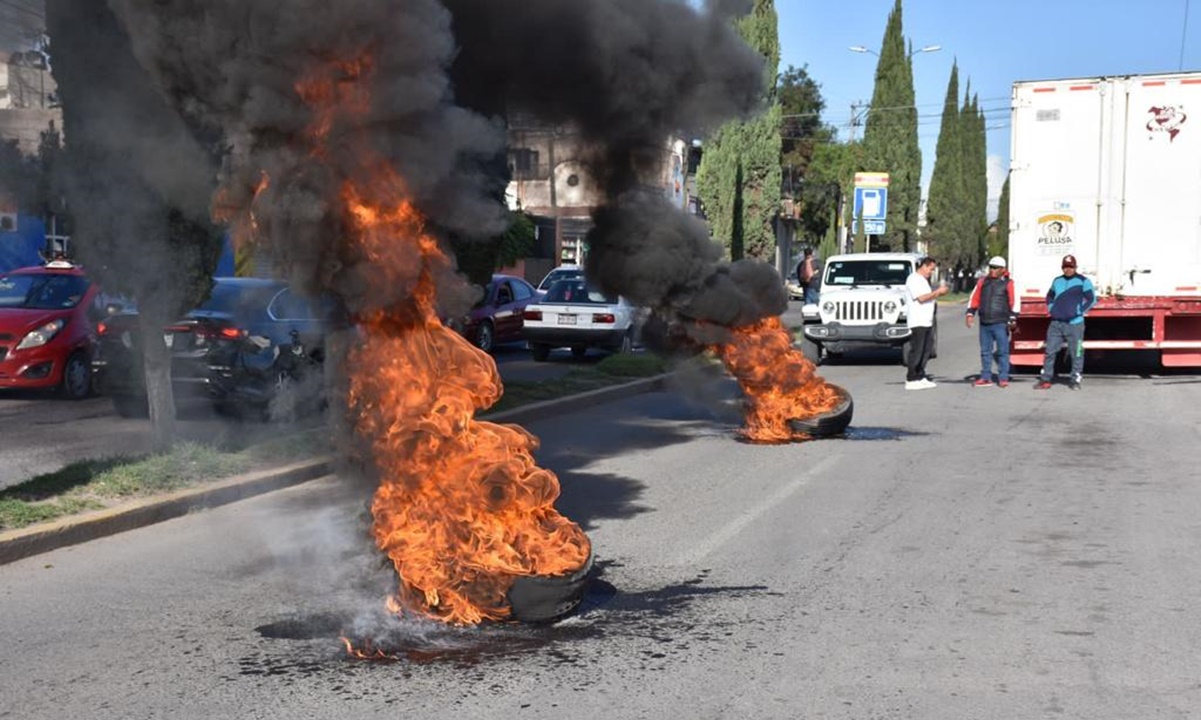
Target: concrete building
x=28, y=99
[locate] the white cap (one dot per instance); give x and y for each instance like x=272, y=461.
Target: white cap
x=997, y=261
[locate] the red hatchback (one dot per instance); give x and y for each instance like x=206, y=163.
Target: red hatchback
x=46, y=329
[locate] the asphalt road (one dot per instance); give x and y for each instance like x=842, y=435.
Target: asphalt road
x=964, y=553
x=41, y=432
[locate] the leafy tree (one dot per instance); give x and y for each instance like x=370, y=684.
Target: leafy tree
x=945, y=229
x=803, y=136
x=138, y=180
x=1001, y=239
x=832, y=169
x=890, y=137
x=479, y=259
x=739, y=177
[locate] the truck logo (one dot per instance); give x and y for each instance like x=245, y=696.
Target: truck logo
x=1055, y=233
x=1166, y=118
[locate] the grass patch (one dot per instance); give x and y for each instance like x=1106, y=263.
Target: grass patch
x=613, y=370
x=631, y=365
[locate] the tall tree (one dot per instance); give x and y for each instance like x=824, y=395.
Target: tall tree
x=890, y=138
x=803, y=137
x=975, y=182
x=944, y=211
x=138, y=181
x=739, y=177
x=1001, y=239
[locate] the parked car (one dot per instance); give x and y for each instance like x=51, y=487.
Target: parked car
x=497, y=318
x=576, y=316
x=251, y=339
x=46, y=316
x=563, y=272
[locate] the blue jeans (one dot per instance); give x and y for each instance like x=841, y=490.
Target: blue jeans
x=810, y=296
x=994, y=338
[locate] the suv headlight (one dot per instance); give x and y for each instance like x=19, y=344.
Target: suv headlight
x=828, y=307
x=890, y=307
x=42, y=335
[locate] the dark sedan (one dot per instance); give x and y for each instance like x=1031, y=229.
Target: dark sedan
x=497, y=318
x=251, y=340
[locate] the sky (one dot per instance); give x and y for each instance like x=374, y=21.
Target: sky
x=996, y=43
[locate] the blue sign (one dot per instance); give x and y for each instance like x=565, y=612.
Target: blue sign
x=871, y=203
x=870, y=227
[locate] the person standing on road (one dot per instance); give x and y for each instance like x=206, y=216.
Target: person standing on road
x=806, y=274
x=997, y=304
x=920, y=315
x=1070, y=297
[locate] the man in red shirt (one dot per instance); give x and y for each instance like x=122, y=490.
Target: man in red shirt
x=997, y=303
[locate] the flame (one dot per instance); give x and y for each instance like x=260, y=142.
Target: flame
x=779, y=382
x=462, y=509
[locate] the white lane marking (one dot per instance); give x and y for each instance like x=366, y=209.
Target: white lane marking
x=731, y=529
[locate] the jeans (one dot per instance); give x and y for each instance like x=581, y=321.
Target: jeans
x=810, y=296
x=1059, y=335
x=994, y=338
x=920, y=345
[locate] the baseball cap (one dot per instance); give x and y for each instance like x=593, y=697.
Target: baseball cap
x=1069, y=261
x=997, y=261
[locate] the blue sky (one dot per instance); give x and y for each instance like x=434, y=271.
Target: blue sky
x=996, y=42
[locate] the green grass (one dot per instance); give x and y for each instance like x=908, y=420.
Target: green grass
x=96, y=484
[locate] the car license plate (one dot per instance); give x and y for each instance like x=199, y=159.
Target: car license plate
x=169, y=339
x=567, y=319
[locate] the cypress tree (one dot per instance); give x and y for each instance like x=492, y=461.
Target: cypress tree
x=890, y=138
x=944, y=211
x=975, y=183
x=1001, y=242
x=739, y=177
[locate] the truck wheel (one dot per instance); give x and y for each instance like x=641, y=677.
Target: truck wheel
x=811, y=350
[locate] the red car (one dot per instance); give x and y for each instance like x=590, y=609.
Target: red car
x=498, y=317
x=46, y=328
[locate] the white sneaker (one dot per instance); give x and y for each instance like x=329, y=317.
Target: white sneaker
x=929, y=383
x=918, y=384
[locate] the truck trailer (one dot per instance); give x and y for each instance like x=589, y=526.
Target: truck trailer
x=1108, y=169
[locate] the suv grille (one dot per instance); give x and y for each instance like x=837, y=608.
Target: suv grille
x=861, y=310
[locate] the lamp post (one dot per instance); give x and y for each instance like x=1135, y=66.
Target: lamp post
x=926, y=49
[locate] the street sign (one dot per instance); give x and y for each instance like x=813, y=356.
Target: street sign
x=871, y=202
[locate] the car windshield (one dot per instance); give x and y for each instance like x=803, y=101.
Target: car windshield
x=45, y=291
x=560, y=274
x=576, y=292
x=868, y=272
x=237, y=299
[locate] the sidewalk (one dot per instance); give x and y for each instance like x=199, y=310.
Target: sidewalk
x=36, y=539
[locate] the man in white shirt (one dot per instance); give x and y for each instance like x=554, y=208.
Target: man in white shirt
x=920, y=315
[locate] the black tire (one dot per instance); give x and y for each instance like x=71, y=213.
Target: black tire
x=131, y=406
x=627, y=343
x=830, y=423
x=579, y=351
x=77, y=377
x=485, y=336
x=811, y=350
x=540, y=351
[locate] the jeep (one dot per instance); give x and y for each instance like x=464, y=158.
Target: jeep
x=862, y=303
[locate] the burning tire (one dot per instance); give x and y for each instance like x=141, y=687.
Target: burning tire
x=544, y=599
x=830, y=423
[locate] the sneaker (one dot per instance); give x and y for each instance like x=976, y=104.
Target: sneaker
x=1002, y=383
x=1042, y=385
x=983, y=383
x=1074, y=385
x=928, y=382
x=918, y=384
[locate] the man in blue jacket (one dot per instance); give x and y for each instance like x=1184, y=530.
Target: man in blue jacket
x=1070, y=297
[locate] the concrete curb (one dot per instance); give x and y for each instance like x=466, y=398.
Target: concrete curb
x=34, y=540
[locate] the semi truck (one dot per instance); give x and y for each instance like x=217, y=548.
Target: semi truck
x=1108, y=169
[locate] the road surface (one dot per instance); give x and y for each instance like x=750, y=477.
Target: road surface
x=964, y=553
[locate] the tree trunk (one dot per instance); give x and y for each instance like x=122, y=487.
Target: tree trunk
x=156, y=359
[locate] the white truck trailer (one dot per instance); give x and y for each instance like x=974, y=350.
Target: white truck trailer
x=1109, y=169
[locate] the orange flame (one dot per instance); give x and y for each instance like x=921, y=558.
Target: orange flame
x=462, y=509
x=779, y=382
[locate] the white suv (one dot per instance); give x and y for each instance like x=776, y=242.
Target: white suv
x=862, y=302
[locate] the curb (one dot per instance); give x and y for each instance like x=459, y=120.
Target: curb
x=34, y=540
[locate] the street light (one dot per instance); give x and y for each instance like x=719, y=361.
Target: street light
x=926, y=49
